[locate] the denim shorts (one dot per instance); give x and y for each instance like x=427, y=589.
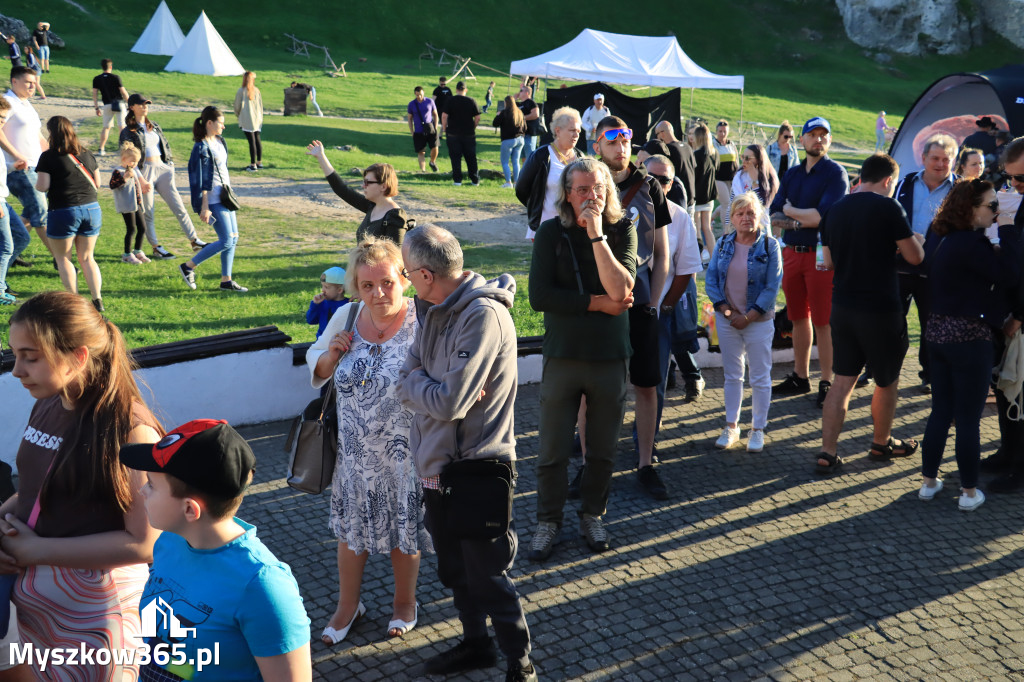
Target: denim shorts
x=74, y=221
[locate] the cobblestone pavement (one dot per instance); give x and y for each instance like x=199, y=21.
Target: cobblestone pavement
x=755, y=569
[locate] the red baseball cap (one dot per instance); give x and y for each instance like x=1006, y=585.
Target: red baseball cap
x=206, y=454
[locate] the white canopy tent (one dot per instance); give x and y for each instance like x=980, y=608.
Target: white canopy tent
x=205, y=52
x=624, y=59
x=162, y=34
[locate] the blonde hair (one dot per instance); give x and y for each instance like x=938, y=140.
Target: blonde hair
x=748, y=199
x=612, y=208
x=563, y=115
x=702, y=138
x=128, y=149
x=372, y=251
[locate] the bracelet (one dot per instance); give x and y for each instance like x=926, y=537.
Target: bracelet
x=602, y=238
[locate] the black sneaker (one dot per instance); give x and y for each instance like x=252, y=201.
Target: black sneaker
x=518, y=673
x=160, y=253
x=433, y=166
x=863, y=380
x=650, y=481
x=694, y=390
x=925, y=388
x=823, y=387
x=21, y=263
x=1010, y=482
x=189, y=275
x=792, y=385
x=574, y=485
x=232, y=285
x=466, y=655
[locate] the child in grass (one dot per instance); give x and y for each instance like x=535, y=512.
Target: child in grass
x=129, y=186
x=226, y=589
x=330, y=298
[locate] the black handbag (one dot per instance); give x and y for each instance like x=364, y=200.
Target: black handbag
x=476, y=498
x=228, y=198
x=115, y=105
x=313, y=438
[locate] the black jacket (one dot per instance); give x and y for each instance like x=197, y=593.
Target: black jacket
x=905, y=197
x=137, y=137
x=533, y=183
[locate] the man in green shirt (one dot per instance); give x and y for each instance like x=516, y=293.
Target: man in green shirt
x=581, y=278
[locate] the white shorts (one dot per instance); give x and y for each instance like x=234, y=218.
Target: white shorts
x=701, y=208
x=109, y=116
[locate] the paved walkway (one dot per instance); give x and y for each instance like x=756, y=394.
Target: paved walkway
x=755, y=569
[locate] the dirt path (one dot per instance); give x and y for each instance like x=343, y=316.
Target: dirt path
x=315, y=199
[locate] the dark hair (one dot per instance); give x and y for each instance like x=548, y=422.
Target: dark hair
x=217, y=507
x=1013, y=151
x=878, y=167
x=106, y=64
x=460, y=86
x=210, y=113
x=63, y=139
x=609, y=122
x=418, y=88
x=19, y=71
x=386, y=176
x=767, y=178
x=107, y=401
x=957, y=209
x=965, y=154
x=130, y=120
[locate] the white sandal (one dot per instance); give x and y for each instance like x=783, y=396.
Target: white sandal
x=403, y=626
x=331, y=636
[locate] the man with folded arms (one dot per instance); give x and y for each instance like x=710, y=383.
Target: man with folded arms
x=808, y=190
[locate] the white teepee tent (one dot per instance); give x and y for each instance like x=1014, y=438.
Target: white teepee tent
x=204, y=52
x=162, y=34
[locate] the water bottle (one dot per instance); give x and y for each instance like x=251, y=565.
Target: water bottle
x=819, y=256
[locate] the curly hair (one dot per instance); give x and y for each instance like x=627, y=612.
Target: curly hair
x=957, y=209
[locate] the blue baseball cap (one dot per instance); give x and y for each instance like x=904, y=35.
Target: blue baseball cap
x=816, y=122
x=335, y=275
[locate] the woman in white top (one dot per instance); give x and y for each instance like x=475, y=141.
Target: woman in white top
x=757, y=175
x=538, y=184
x=249, y=110
x=207, y=177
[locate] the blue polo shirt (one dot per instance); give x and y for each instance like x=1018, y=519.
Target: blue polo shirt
x=825, y=184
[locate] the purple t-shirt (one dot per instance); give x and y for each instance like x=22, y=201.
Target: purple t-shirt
x=422, y=111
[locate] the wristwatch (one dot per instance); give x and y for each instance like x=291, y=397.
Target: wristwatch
x=602, y=238
x=667, y=308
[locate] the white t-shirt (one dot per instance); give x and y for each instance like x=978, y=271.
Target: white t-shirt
x=551, y=191
x=682, y=246
x=4, y=192
x=220, y=174
x=22, y=130
x=152, y=145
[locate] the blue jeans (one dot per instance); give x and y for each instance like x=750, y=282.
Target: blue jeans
x=44, y=52
x=510, y=150
x=226, y=227
x=960, y=375
x=19, y=234
x=531, y=144
x=22, y=184
x=6, y=246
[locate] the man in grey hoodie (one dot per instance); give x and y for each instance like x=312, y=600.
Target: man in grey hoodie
x=460, y=380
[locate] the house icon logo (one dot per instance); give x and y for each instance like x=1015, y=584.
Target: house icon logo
x=158, y=615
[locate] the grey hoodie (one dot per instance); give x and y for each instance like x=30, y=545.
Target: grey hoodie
x=465, y=345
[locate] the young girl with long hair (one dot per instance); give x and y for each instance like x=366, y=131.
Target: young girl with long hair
x=249, y=110
x=705, y=188
x=757, y=175
x=77, y=534
x=512, y=126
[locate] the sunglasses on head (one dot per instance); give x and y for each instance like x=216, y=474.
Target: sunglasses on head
x=613, y=134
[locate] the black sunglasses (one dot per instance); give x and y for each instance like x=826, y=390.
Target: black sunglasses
x=663, y=179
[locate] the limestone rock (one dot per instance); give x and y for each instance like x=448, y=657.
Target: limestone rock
x=1005, y=17
x=915, y=26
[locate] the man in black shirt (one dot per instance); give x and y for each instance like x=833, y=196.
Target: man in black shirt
x=459, y=120
x=108, y=87
x=984, y=139
x=442, y=93
x=531, y=113
x=860, y=233
x=682, y=160
x=41, y=41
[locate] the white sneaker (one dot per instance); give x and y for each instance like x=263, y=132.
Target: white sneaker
x=971, y=503
x=705, y=257
x=755, y=440
x=130, y=259
x=927, y=492
x=507, y=185
x=728, y=438
x=103, y=152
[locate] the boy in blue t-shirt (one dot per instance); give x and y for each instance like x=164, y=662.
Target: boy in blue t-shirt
x=330, y=298
x=218, y=604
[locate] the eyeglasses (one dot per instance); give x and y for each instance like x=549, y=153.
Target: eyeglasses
x=585, y=191
x=370, y=182
x=787, y=137
x=614, y=133
x=1015, y=178
x=993, y=206
x=663, y=179
x=407, y=274
x=747, y=157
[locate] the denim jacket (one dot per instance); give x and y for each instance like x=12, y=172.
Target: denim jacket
x=764, y=271
x=201, y=172
x=775, y=155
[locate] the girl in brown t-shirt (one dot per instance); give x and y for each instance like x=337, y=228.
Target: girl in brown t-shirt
x=79, y=537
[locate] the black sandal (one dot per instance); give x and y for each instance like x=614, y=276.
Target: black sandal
x=894, y=448
x=834, y=462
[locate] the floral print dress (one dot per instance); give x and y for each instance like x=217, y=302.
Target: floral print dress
x=376, y=494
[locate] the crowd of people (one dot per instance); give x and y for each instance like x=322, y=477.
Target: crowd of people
x=425, y=386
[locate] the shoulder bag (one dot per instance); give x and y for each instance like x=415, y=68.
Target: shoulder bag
x=85, y=171
x=228, y=198
x=313, y=439
x=476, y=498
x=429, y=128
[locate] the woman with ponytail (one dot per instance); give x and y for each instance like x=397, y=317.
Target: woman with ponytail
x=76, y=532
x=249, y=110
x=207, y=176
